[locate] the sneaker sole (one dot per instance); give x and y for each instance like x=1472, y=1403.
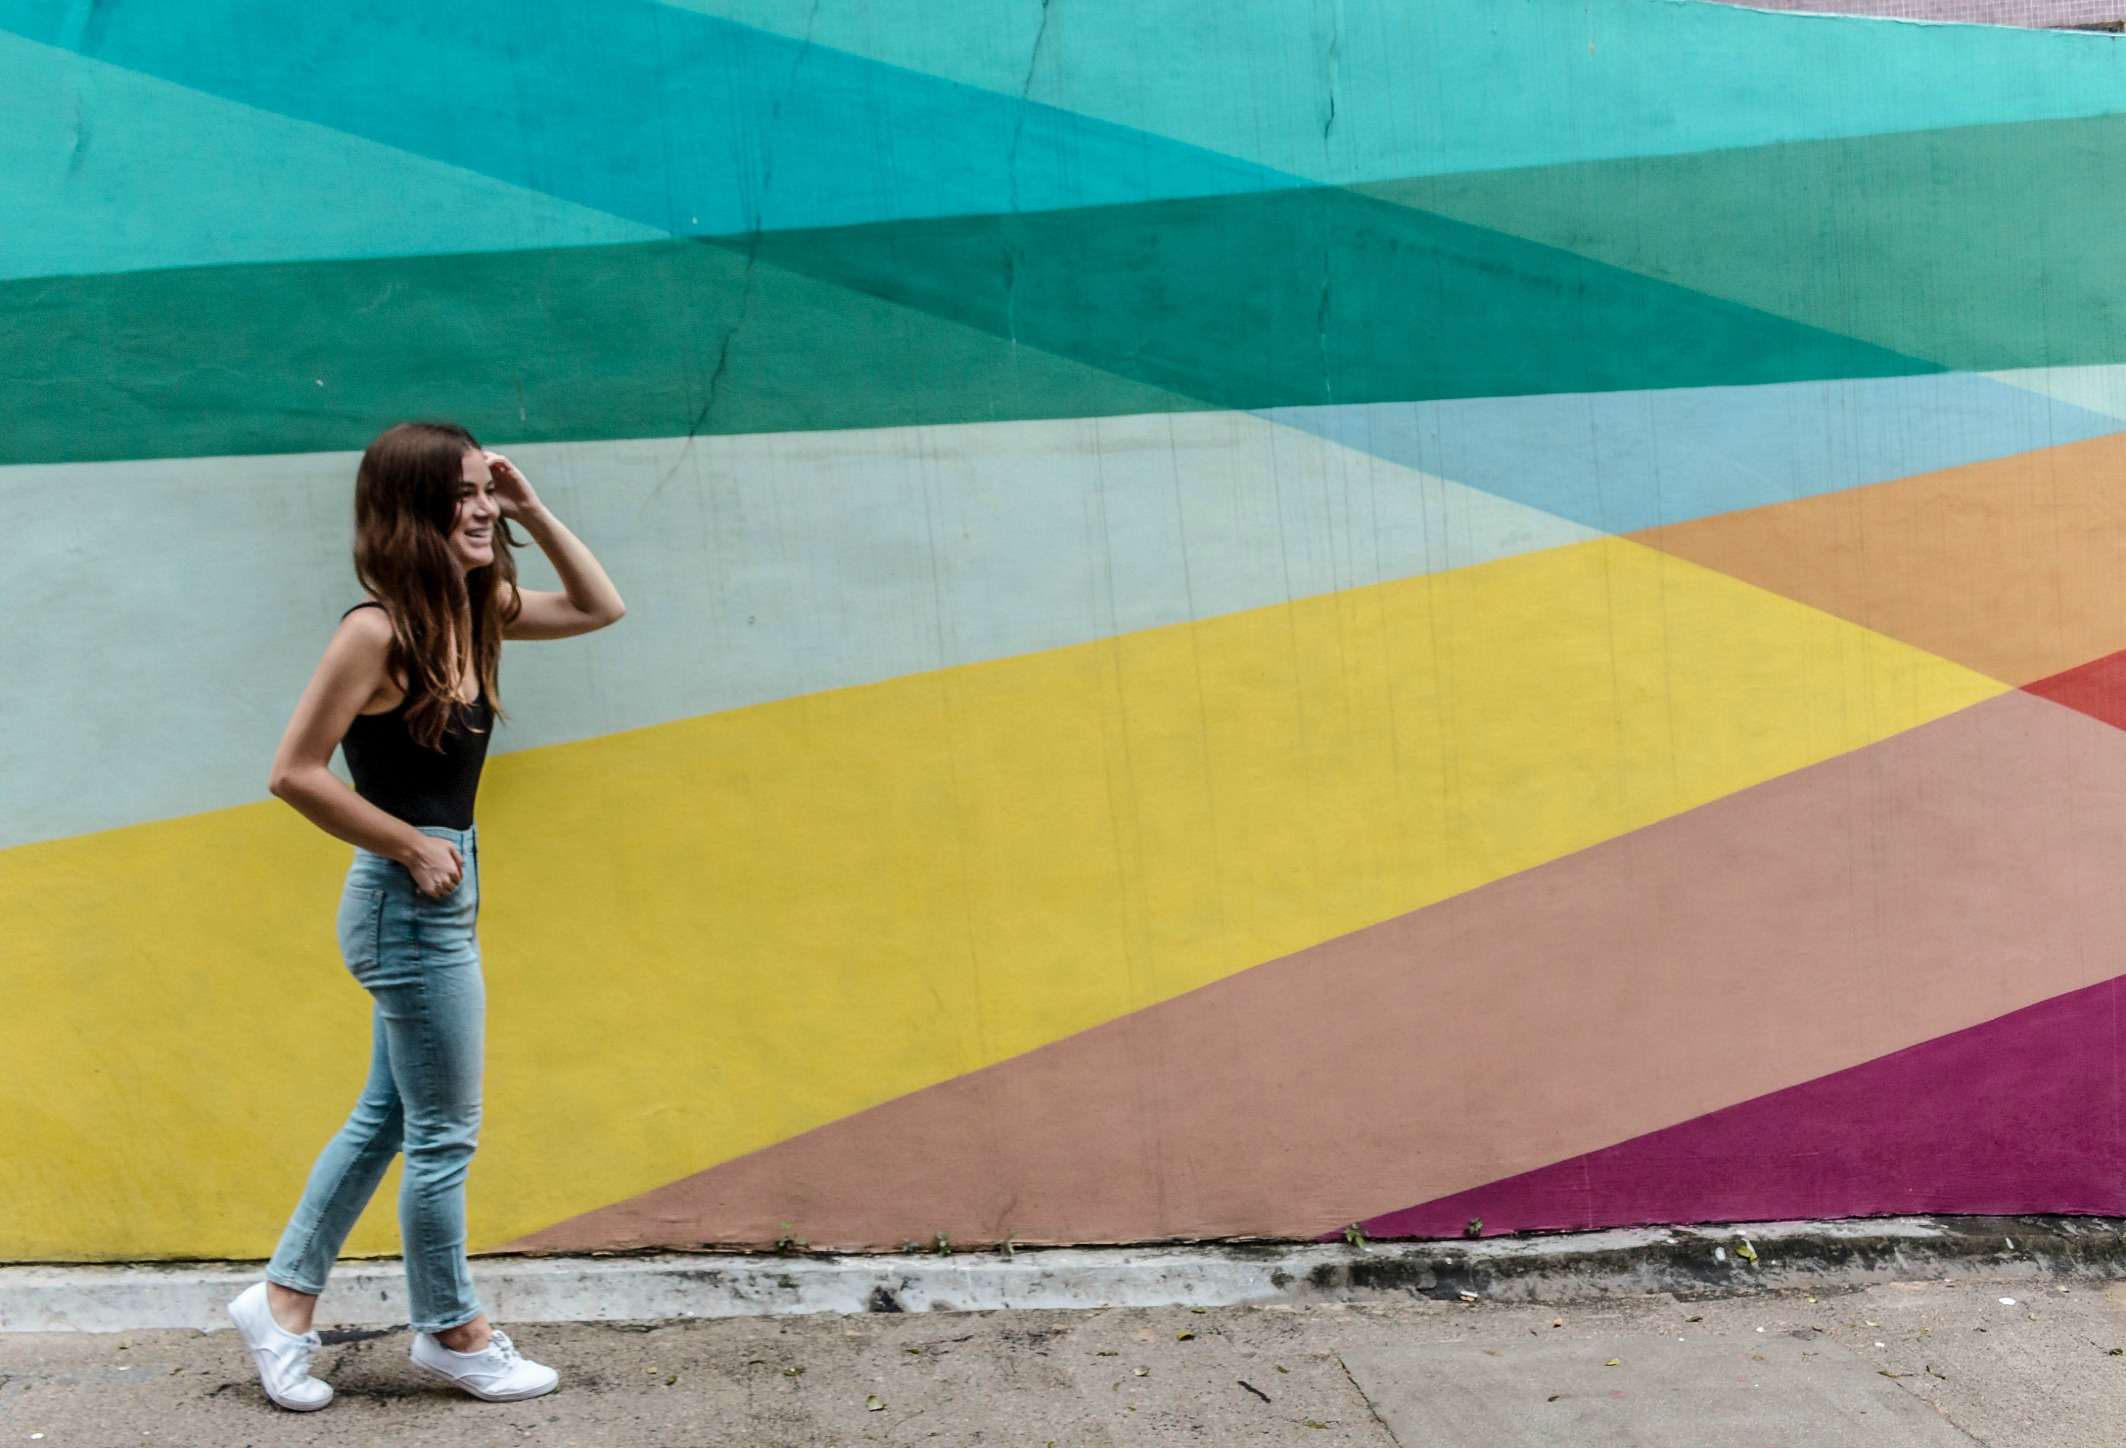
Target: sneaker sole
x=259, y=1368
x=465, y=1387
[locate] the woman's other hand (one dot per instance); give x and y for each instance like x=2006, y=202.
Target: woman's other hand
x=436, y=866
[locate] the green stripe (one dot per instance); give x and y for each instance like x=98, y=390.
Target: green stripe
x=1319, y=295
x=1980, y=248
x=1298, y=297
x=532, y=346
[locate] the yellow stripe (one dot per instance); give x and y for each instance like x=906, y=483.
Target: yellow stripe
x=705, y=937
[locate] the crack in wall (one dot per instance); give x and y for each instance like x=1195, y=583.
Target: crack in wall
x=1334, y=63
x=81, y=138
x=1033, y=61
x=716, y=374
x=745, y=294
x=1011, y=179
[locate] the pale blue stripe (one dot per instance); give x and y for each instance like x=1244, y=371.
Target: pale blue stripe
x=1619, y=461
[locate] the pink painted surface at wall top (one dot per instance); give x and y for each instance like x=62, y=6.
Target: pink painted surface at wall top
x=2033, y=13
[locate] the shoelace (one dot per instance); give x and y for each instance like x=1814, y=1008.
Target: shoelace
x=500, y=1343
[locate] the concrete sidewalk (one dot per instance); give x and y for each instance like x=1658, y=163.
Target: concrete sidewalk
x=1888, y=1365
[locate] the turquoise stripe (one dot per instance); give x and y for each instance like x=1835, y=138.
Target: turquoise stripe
x=686, y=123
x=755, y=568
x=108, y=170
x=1467, y=85
x=681, y=122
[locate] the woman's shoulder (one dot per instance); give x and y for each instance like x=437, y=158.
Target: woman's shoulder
x=367, y=619
x=367, y=627
x=361, y=646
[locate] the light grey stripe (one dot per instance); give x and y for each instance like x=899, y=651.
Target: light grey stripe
x=164, y=615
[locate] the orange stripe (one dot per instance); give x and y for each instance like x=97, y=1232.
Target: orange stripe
x=2014, y=567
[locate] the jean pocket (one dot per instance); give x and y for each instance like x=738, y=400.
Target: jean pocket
x=361, y=925
x=441, y=925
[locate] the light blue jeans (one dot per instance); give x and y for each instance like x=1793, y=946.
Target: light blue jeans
x=419, y=959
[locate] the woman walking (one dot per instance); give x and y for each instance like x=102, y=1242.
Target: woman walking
x=407, y=687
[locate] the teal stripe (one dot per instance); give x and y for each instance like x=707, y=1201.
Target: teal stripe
x=1283, y=299
x=1318, y=296
x=681, y=122
x=108, y=170
x=1467, y=85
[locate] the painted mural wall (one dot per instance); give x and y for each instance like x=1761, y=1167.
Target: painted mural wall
x=1242, y=618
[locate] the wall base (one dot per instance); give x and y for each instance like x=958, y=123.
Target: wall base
x=1685, y=1261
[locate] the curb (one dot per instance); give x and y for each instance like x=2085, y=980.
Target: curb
x=1701, y=1261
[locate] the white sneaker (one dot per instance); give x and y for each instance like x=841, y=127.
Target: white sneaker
x=497, y=1372
x=283, y=1358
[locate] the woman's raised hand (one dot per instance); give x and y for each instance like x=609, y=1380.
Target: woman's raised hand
x=513, y=491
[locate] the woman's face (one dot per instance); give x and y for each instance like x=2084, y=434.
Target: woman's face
x=472, y=531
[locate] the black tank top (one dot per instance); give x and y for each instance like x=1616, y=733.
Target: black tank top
x=408, y=779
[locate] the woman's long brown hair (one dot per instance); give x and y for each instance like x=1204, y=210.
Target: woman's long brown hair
x=405, y=503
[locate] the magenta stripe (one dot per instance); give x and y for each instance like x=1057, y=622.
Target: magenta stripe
x=2017, y=1114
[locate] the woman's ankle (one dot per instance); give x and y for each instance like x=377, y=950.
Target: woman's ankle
x=466, y=1336
x=292, y=1311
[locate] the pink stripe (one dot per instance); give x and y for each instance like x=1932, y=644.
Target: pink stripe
x=1871, y=904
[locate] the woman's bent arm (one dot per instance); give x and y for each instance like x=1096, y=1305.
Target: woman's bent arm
x=346, y=678
x=588, y=599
